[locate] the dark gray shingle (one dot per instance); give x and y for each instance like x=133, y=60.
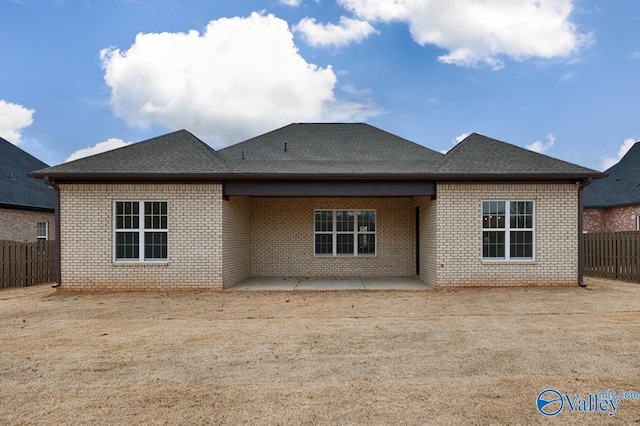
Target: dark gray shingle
x=177, y=153
x=621, y=187
x=16, y=188
x=481, y=155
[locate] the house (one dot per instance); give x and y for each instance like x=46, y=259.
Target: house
x=312, y=200
x=613, y=204
x=26, y=204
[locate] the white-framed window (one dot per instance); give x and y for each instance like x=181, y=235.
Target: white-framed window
x=637, y=223
x=508, y=230
x=140, y=231
x=345, y=232
x=42, y=230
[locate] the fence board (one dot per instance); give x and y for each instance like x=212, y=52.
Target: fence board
x=24, y=264
x=614, y=255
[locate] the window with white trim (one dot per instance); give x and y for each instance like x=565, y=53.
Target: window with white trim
x=140, y=229
x=345, y=232
x=637, y=223
x=507, y=230
x=42, y=230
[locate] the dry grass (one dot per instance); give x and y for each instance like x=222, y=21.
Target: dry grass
x=467, y=357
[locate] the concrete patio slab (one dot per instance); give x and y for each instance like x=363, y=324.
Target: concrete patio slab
x=330, y=283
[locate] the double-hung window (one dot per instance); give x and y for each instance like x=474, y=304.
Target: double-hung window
x=42, y=230
x=345, y=233
x=140, y=231
x=508, y=230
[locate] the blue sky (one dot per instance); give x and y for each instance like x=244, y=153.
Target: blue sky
x=560, y=77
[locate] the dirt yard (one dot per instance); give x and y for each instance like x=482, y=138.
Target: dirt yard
x=477, y=356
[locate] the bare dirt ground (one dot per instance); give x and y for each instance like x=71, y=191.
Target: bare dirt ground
x=477, y=356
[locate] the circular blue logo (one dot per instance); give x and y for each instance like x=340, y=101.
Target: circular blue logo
x=550, y=402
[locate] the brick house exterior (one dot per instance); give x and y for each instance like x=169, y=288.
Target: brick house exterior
x=612, y=204
x=26, y=204
x=268, y=208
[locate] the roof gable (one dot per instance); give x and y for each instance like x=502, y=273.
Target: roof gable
x=479, y=155
x=16, y=188
x=621, y=187
x=177, y=153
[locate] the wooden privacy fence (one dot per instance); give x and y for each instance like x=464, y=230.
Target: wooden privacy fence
x=614, y=255
x=23, y=264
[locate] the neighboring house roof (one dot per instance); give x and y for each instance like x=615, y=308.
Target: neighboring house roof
x=621, y=187
x=315, y=151
x=17, y=190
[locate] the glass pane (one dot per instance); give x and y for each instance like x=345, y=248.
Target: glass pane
x=324, y=244
x=127, y=245
x=155, y=245
x=521, y=244
x=153, y=216
x=344, y=244
x=366, y=244
x=344, y=221
x=324, y=221
x=521, y=214
x=493, y=245
x=127, y=215
x=366, y=221
x=493, y=214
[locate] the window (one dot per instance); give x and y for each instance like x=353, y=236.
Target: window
x=345, y=233
x=42, y=230
x=637, y=223
x=140, y=223
x=507, y=230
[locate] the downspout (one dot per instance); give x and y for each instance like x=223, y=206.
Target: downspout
x=52, y=184
x=583, y=185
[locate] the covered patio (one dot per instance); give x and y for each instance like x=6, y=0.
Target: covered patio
x=330, y=283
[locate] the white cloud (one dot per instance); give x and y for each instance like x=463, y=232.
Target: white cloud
x=347, y=31
x=460, y=138
x=292, y=3
x=542, y=147
x=14, y=118
x=635, y=55
x=108, y=145
x=456, y=141
x=624, y=148
x=485, y=31
x=239, y=78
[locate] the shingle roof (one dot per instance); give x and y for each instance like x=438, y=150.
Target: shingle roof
x=621, y=187
x=177, y=153
x=317, y=150
x=16, y=188
x=481, y=155
x=329, y=148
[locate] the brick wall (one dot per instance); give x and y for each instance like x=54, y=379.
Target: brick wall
x=20, y=225
x=428, y=243
x=614, y=219
x=282, y=238
x=236, y=240
x=194, y=238
x=459, y=236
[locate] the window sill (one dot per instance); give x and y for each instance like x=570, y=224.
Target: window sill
x=509, y=262
x=140, y=264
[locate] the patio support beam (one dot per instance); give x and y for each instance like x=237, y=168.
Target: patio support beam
x=338, y=188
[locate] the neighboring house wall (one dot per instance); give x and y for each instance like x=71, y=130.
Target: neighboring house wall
x=282, y=238
x=459, y=236
x=194, y=237
x=20, y=225
x=236, y=240
x=613, y=219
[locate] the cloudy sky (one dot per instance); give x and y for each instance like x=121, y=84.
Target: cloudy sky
x=560, y=77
